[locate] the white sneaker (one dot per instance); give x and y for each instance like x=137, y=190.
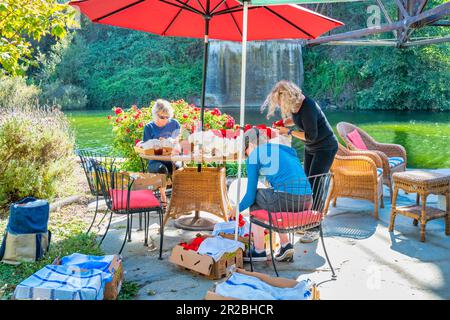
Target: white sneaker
x=309, y=236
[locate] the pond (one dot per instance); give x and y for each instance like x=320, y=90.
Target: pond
x=425, y=135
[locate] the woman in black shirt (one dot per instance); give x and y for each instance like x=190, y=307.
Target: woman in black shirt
x=314, y=129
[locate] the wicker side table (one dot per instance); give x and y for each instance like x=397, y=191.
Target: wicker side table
x=423, y=183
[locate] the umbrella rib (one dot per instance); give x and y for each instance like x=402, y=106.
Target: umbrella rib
x=220, y=3
x=173, y=20
x=289, y=22
x=232, y=10
x=190, y=8
x=118, y=10
x=235, y=23
x=201, y=6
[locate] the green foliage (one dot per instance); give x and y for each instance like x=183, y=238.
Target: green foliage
x=67, y=96
x=22, y=21
x=128, y=127
x=36, y=154
x=14, y=91
x=352, y=77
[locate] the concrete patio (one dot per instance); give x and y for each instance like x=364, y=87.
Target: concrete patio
x=370, y=262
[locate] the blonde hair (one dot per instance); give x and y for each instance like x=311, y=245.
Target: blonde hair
x=286, y=96
x=162, y=106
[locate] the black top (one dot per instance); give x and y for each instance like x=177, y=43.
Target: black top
x=318, y=133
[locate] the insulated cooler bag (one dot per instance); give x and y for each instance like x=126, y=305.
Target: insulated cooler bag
x=27, y=237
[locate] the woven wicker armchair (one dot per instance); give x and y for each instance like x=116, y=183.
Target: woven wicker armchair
x=384, y=150
x=355, y=175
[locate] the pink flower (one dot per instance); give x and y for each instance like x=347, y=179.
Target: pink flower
x=229, y=123
x=185, y=116
x=118, y=111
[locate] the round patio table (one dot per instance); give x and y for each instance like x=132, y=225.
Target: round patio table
x=195, y=191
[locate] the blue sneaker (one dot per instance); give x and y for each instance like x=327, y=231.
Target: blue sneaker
x=286, y=253
x=256, y=256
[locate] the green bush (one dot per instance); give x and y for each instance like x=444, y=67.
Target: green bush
x=68, y=96
x=15, y=91
x=36, y=154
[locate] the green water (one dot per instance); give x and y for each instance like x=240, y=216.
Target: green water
x=425, y=135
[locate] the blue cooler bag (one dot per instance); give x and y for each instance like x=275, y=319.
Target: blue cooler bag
x=27, y=237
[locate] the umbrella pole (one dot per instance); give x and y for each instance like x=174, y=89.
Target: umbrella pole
x=242, y=113
x=205, y=67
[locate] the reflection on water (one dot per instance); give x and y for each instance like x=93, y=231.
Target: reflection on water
x=425, y=135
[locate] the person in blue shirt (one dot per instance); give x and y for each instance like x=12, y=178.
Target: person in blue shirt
x=163, y=126
x=290, y=190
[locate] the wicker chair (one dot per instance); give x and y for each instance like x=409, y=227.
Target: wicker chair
x=358, y=175
x=385, y=151
x=301, y=215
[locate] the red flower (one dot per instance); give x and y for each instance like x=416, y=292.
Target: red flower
x=247, y=127
x=223, y=132
x=109, y=117
x=261, y=126
x=185, y=116
x=140, y=125
x=216, y=112
x=118, y=111
x=137, y=141
x=195, y=118
x=229, y=123
x=279, y=123
x=197, y=109
x=118, y=120
x=128, y=130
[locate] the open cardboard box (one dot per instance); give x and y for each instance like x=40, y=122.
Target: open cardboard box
x=148, y=181
x=204, y=264
x=165, y=151
x=112, y=288
x=273, y=281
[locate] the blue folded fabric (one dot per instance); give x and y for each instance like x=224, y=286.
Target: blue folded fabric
x=88, y=262
x=245, y=287
x=379, y=171
x=58, y=282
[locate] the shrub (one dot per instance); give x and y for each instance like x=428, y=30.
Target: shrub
x=128, y=127
x=15, y=91
x=36, y=154
x=68, y=96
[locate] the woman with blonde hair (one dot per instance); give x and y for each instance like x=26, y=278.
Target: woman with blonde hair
x=313, y=128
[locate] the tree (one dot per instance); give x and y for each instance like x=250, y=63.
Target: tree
x=22, y=21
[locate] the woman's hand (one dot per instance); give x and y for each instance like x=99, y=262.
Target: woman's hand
x=283, y=131
x=232, y=214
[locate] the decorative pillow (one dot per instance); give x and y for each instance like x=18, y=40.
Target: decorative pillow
x=395, y=161
x=356, y=139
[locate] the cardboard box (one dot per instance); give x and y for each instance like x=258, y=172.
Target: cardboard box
x=204, y=264
x=112, y=288
x=148, y=181
x=273, y=281
x=154, y=152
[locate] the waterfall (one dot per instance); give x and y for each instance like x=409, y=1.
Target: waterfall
x=267, y=63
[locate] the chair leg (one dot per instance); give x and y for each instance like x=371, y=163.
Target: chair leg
x=161, y=232
x=131, y=226
x=95, y=215
x=391, y=192
x=271, y=253
x=375, y=204
x=334, y=202
x=145, y=229
x=333, y=274
x=140, y=222
x=250, y=245
x=107, y=228
x=126, y=234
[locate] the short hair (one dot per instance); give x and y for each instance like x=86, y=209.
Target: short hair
x=163, y=106
x=253, y=136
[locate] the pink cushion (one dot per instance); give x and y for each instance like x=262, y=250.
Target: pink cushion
x=356, y=139
x=139, y=199
x=284, y=220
